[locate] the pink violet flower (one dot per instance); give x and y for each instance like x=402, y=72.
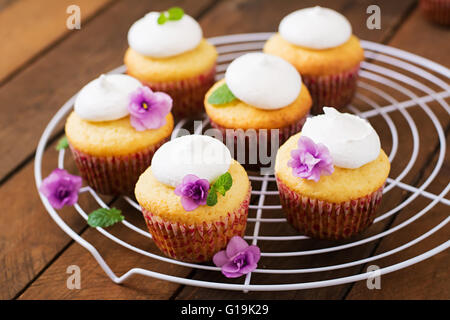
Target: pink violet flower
x=193, y=192
x=238, y=258
x=148, y=109
x=310, y=160
x=61, y=188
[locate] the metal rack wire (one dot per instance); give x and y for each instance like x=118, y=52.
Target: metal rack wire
x=384, y=67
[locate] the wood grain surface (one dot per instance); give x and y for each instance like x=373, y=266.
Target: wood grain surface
x=35, y=253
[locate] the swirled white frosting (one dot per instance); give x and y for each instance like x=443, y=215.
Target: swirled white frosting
x=263, y=81
x=351, y=140
x=203, y=156
x=316, y=28
x=106, y=98
x=151, y=39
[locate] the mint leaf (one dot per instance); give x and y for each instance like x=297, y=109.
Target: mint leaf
x=63, y=143
x=221, y=95
x=211, y=200
x=162, y=18
x=104, y=217
x=222, y=185
x=225, y=181
x=221, y=190
x=175, y=13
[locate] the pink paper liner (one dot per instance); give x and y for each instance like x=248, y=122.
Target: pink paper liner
x=436, y=10
x=336, y=90
x=187, y=94
x=114, y=175
x=327, y=220
x=284, y=134
x=197, y=242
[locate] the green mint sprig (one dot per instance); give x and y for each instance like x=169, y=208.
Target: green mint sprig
x=173, y=14
x=63, y=143
x=221, y=95
x=104, y=217
x=222, y=185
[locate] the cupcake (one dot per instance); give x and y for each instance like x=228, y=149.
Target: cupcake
x=168, y=53
x=194, y=198
x=115, y=128
x=319, y=43
x=436, y=10
x=331, y=176
x=262, y=98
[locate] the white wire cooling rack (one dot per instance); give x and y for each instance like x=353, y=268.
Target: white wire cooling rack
x=417, y=80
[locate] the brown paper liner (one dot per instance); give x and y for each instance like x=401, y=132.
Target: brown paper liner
x=436, y=10
x=336, y=90
x=327, y=220
x=187, y=94
x=114, y=175
x=197, y=242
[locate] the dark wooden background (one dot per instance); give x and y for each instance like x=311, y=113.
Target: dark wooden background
x=42, y=64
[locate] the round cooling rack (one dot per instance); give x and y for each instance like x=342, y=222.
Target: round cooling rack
x=404, y=81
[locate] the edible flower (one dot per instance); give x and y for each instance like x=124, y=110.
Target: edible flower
x=310, y=160
x=193, y=192
x=148, y=109
x=61, y=188
x=238, y=258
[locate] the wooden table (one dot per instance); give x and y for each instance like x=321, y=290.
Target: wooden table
x=43, y=64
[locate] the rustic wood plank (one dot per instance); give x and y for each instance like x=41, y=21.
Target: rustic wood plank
x=29, y=238
x=428, y=279
x=95, y=284
x=31, y=26
x=28, y=101
x=5, y=3
x=241, y=16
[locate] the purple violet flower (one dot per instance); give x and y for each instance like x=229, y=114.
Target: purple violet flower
x=148, y=109
x=193, y=192
x=238, y=258
x=310, y=160
x=61, y=188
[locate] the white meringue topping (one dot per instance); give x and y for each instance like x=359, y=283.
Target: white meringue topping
x=263, y=81
x=351, y=140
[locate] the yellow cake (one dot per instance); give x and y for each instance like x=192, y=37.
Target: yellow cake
x=174, y=195
x=160, y=199
x=314, y=62
x=240, y=115
x=113, y=138
x=320, y=44
x=115, y=128
x=172, y=57
x=343, y=185
x=186, y=65
x=330, y=176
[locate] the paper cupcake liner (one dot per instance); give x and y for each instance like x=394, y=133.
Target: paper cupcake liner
x=114, y=175
x=327, y=220
x=336, y=90
x=436, y=10
x=197, y=242
x=283, y=135
x=187, y=94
